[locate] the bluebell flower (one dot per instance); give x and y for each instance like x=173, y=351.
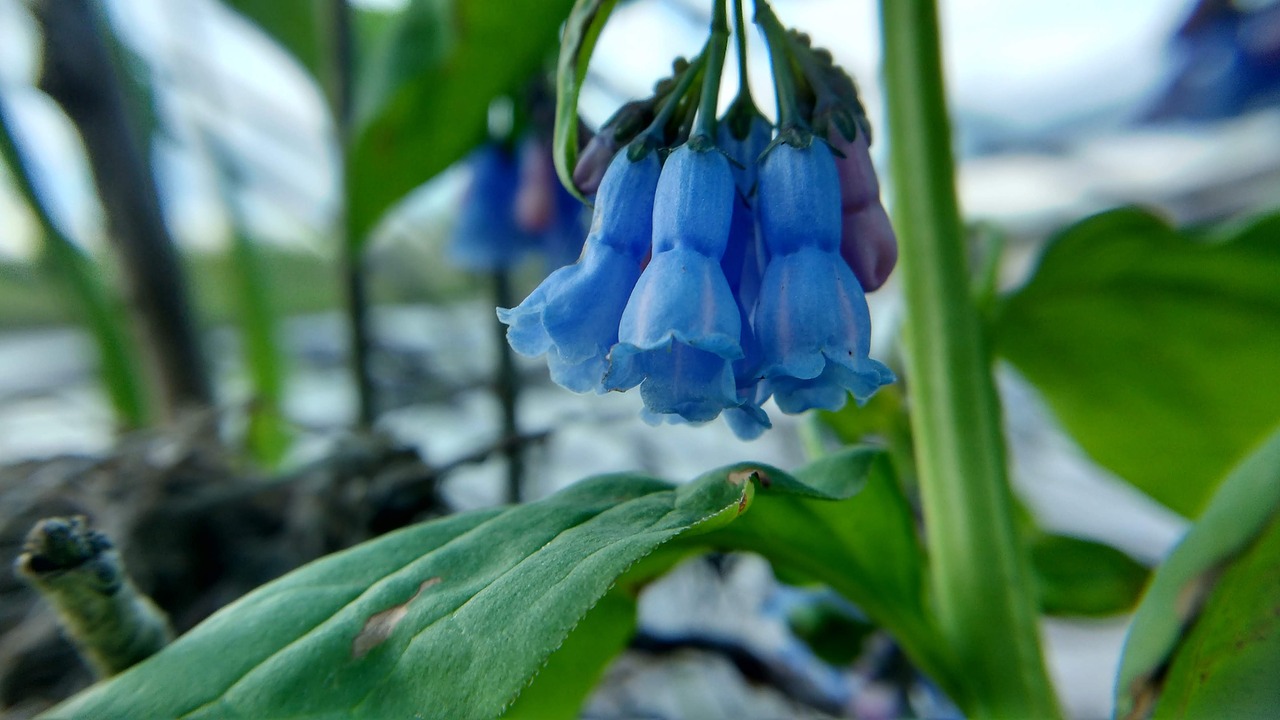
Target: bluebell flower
x=811, y=319
x=563, y=241
x=743, y=264
x=486, y=236
x=545, y=209
x=574, y=315
x=515, y=206
x=680, y=332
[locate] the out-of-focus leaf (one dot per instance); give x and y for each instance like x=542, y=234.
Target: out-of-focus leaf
x=430, y=86
x=1157, y=350
x=121, y=368
x=832, y=632
x=884, y=414
x=1084, y=578
x=1206, y=631
x=580, y=34
x=561, y=688
x=303, y=27
x=449, y=619
x=1229, y=663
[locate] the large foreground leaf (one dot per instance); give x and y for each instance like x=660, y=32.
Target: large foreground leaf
x=844, y=521
x=1157, y=350
x=1205, y=641
x=448, y=619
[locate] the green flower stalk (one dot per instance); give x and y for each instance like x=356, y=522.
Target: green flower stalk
x=981, y=581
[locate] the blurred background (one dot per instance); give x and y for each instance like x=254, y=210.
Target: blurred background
x=1061, y=110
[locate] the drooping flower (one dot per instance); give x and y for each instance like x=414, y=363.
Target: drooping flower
x=743, y=264
x=486, y=237
x=545, y=209
x=574, y=315
x=867, y=240
x=755, y=277
x=515, y=206
x=680, y=332
x=811, y=319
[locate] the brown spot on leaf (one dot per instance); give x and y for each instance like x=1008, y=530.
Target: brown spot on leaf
x=741, y=477
x=379, y=626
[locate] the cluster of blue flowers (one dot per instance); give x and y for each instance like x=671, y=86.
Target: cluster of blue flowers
x=515, y=206
x=713, y=281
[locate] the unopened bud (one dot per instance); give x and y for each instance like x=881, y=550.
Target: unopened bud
x=867, y=240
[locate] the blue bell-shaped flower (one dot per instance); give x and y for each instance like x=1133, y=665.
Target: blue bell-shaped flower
x=743, y=265
x=487, y=236
x=811, y=319
x=573, y=316
x=680, y=331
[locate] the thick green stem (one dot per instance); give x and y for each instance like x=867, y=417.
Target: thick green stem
x=981, y=584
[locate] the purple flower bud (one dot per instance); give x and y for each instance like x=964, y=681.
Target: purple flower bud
x=592, y=162
x=867, y=241
x=486, y=236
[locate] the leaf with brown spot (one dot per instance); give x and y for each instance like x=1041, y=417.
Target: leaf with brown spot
x=380, y=625
x=517, y=581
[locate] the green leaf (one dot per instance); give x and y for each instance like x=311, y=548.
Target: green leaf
x=561, y=688
x=831, y=631
x=1084, y=578
x=447, y=619
x=1206, y=629
x=303, y=27
x=120, y=368
x=843, y=521
x=581, y=31
x=1229, y=662
x=1157, y=350
x=430, y=88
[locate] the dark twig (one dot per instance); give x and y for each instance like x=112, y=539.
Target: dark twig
x=507, y=387
x=80, y=74
x=353, y=266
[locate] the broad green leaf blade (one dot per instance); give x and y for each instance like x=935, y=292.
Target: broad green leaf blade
x=1210, y=569
x=1083, y=578
x=1156, y=350
x=448, y=619
x=843, y=521
x=303, y=27
x=443, y=64
x=1230, y=661
x=581, y=31
x=561, y=688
